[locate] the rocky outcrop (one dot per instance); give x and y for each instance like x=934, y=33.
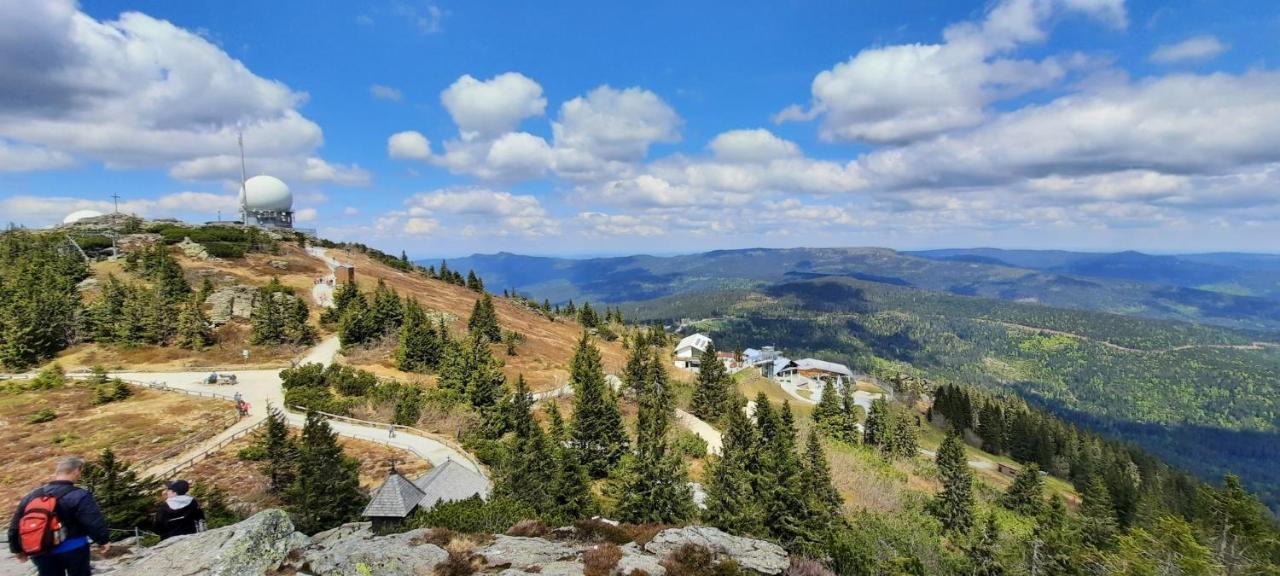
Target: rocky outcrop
x=354, y=550
x=193, y=249
x=258, y=544
x=758, y=555
x=267, y=544
x=231, y=302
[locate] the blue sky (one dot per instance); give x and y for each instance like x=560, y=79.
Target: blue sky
x=586, y=128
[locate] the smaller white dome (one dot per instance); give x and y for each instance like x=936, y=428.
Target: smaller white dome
x=266, y=193
x=79, y=215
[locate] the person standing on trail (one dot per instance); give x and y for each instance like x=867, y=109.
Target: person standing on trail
x=54, y=524
x=391, y=431
x=179, y=514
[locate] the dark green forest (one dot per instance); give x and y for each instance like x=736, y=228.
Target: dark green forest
x=1171, y=387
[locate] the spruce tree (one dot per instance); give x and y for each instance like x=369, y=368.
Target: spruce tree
x=876, y=431
x=637, y=367
x=732, y=503
x=991, y=428
x=529, y=470
x=711, y=393
x=597, y=432
x=280, y=451
x=419, y=346
x=126, y=499
x=982, y=551
x=851, y=416
x=193, y=326
x=326, y=491
x=1026, y=494
x=828, y=415
x=954, y=504
x=356, y=325
x=902, y=439
x=386, y=311
x=656, y=486
x=821, y=489
x=587, y=316
x=1098, y=515
x=484, y=319
x=780, y=480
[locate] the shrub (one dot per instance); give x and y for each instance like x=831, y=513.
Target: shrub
x=690, y=560
x=439, y=536
x=252, y=453
x=528, y=529
x=594, y=529
x=51, y=377
x=601, y=560
x=457, y=564
x=806, y=567
x=43, y=416
x=473, y=515
x=689, y=444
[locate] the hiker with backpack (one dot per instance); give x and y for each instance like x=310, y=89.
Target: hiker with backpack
x=179, y=514
x=55, y=523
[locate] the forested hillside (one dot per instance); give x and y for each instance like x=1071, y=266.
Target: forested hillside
x=1203, y=397
x=1115, y=285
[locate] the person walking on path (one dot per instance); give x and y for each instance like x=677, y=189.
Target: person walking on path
x=179, y=514
x=80, y=518
x=239, y=404
x=391, y=431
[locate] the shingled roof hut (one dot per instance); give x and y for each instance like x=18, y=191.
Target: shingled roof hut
x=398, y=497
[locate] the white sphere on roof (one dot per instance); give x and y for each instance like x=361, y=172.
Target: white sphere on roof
x=264, y=192
x=79, y=215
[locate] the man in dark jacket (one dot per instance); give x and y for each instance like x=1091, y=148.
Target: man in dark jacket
x=179, y=514
x=80, y=517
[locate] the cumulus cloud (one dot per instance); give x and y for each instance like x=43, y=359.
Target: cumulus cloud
x=1194, y=49
x=384, y=92
x=138, y=92
x=488, y=108
x=758, y=145
x=25, y=158
x=608, y=125
x=479, y=210
x=900, y=93
x=601, y=224
x=409, y=144
x=305, y=215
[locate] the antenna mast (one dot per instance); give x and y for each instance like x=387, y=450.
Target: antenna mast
x=244, y=190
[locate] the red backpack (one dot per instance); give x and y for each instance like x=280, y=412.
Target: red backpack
x=39, y=529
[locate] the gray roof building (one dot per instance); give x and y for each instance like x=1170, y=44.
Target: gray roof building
x=398, y=497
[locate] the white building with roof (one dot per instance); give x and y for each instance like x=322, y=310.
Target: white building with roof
x=689, y=350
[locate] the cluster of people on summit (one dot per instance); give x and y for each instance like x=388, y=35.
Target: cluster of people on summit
x=55, y=525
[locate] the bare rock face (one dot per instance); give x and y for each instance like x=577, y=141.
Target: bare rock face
x=354, y=550
x=251, y=547
x=193, y=249
x=231, y=302
x=519, y=553
x=758, y=555
x=279, y=264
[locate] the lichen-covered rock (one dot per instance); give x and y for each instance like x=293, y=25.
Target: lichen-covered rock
x=354, y=550
x=193, y=249
x=249, y=548
x=519, y=552
x=279, y=264
x=633, y=558
x=231, y=302
x=757, y=555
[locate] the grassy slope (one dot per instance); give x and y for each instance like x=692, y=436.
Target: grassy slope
x=144, y=425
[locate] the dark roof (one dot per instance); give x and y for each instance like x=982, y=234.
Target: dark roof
x=396, y=498
x=450, y=482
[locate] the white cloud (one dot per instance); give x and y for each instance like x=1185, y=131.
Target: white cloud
x=426, y=17
x=610, y=125
x=46, y=210
x=758, y=145
x=384, y=92
x=25, y=158
x=305, y=168
x=409, y=144
x=351, y=211
x=1194, y=49
x=420, y=226
x=600, y=224
x=488, y=108
x=138, y=92
x=305, y=215
x=508, y=157
x=493, y=212
x=900, y=93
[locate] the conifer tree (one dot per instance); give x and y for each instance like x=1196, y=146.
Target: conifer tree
x=386, y=311
x=326, y=491
x=597, y=432
x=484, y=319
x=126, y=499
x=529, y=470
x=732, y=503
x=903, y=442
x=828, y=415
x=851, y=416
x=1026, y=494
x=193, y=326
x=419, y=346
x=1051, y=541
x=1098, y=515
x=356, y=326
x=876, y=431
x=711, y=393
x=819, y=486
x=982, y=551
x=954, y=504
x=280, y=451
x=656, y=486
x=637, y=367
x=587, y=316
x=991, y=428
x=787, y=507
x=343, y=296
x=473, y=282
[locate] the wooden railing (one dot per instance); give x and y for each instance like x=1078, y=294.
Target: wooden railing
x=195, y=458
x=191, y=441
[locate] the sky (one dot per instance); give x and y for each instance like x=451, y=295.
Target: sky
x=589, y=128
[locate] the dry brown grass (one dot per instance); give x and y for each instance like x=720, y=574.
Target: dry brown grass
x=145, y=425
x=601, y=560
x=866, y=482
x=231, y=339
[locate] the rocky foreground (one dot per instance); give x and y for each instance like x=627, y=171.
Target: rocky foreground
x=268, y=544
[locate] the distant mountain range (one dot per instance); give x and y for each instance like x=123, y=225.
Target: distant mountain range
x=1228, y=289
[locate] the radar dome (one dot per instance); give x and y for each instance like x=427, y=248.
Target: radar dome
x=79, y=215
x=266, y=193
